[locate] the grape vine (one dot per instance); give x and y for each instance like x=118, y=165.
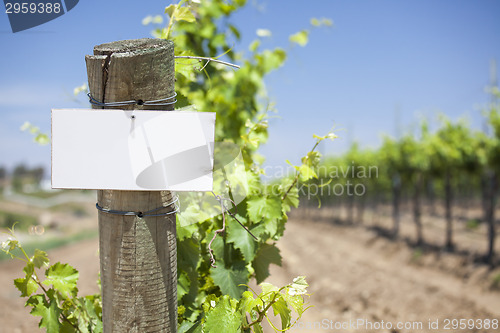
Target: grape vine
x=210, y=298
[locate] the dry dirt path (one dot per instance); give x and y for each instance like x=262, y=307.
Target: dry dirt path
x=353, y=274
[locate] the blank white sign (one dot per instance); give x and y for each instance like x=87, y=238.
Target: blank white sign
x=132, y=150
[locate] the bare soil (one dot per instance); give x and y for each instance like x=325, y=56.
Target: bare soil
x=353, y=273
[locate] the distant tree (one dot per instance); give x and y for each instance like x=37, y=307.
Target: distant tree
x=490, y=184
x=37, y=174
x=414, y=167
x=22, y=175
x=3, y=177
x=18, y=175
x=452, y=155
x=20, y=171
x=392, y=161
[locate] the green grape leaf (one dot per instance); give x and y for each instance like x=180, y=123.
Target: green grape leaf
x=218, y=40
x=182, y=102
x=248, y=303
x=235, y=31
x=255, y=208
x=63, y=277
x=66, y=328
x=93, y=307
x=29, y=269
x=42, y=139
x=267, y=289
x=223, y=318
x=157, y=19
x=264, y=207
x=254, y=45
x=301, y=37
x=291, y=164
x=10, y=244
x=254, y=184
x=296, y=302
x=49, y=311
x=191, y=215
x=184, y=14
x=306, y=173
x=170, y=9
x=183, y=285
x=26, y=286
x=218, y=246
x=185, y=232
x=291, y=200
x=267, y=254
x=257, y=329
x=315, y=22
x=332, y=136
x=299, y=286
x=188, y=253
x=230, y=279
x=256, y=138
x=270, y=60
x=40, y=258
x=271, y=227
x=260, y=231
x=189, y=327
x=312, y=159
x=241, y=239
x=273, y=208
x=280, y=308
x=321, y=22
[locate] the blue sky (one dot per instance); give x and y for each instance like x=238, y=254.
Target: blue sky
x=384, y=62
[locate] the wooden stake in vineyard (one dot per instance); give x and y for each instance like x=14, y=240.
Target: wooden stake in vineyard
x=138, y=252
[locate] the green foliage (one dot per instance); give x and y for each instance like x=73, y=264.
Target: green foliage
x=493, y=153
x=211, y=298
x=225, y=314
x=315, y=22
x=38, y=137
x=452, y=148
x=203, y=29
x=473, y=224
x=495, y=281
x=54, y=298
x=301, y=37
x=47, y=243
x=23, y=222
x=417, y=255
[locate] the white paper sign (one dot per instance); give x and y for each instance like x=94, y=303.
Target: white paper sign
x=132, y=150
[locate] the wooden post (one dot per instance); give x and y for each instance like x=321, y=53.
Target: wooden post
x=138, y=254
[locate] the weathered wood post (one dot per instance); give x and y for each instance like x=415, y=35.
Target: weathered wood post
x=138, y=254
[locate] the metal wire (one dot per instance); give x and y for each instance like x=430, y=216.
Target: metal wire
x=175, y=203
x=157, y=102
x=224, y=210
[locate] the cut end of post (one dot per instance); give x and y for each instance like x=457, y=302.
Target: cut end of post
x=135, y=46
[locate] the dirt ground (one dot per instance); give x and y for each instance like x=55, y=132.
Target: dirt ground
x=354, y=274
